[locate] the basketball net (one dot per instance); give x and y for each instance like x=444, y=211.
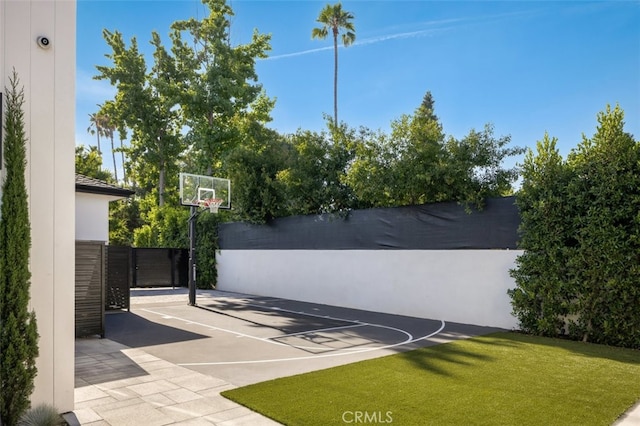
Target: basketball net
x=212, y=203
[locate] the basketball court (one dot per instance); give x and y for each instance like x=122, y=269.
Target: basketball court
x=246, y=339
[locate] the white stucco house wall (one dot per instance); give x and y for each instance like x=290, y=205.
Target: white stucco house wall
x=48, y=77
x=92, y=207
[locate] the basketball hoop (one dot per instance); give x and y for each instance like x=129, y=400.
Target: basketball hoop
x=212, y=203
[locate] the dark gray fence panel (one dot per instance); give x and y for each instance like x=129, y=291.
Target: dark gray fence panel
x=118, y=277
x=159, y=267
x=438, y=226
x=90, y=283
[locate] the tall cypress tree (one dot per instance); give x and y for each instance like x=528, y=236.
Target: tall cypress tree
x=18, y=330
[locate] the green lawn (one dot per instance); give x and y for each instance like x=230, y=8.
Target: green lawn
x=499, y=379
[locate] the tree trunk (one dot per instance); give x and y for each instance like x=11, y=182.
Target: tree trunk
x=335, y=77
x=113, y=155
x=124, y=170
x=161, y=187
x=98, y=138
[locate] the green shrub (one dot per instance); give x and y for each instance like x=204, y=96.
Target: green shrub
x=18, y=330
x=41, y=415
x=206, y=248
x=580, y=272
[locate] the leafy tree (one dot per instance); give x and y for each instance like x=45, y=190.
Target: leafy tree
x=544, y=297
x=581, y=235
x=124, y=215
x=314, y=182
x=253, y=168
x=334, y=19
x=165, y=227
x=206, y=246
x=145, y=104
x=89, y=163
x=475, y=168
x=18, y=328
x=217, y=81
x=368, y=175
x=417, y=164
x=124, y=219
x=605, y=196
x=187, y=101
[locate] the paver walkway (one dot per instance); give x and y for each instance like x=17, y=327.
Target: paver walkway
x=118, y=386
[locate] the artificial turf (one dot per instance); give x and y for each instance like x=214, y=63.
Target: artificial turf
x=499, y=379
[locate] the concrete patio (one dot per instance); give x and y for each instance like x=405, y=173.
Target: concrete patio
x=119, y=386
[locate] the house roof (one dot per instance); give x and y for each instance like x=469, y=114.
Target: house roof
x=96, y=186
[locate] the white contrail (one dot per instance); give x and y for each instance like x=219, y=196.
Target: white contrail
x=446, y=25
x=366, y=41
x=303, y=52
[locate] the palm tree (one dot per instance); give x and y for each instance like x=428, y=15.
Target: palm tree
x=95, y=127
x=107, y=130
x=124, y=168
x=333, y=18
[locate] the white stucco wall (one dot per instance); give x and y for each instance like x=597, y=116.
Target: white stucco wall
x=466, y=286
x=92, y=216
x=48, y=77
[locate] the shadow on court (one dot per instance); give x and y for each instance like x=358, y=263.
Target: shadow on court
x=245, y=339
x=134, y=331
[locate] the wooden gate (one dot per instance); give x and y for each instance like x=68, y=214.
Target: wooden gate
x=90, y=283
x=118, y=278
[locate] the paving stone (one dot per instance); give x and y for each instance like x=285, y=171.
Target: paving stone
x=92, y=403
x=253, y=419
x=87, y=393
x=86, y=415
x=197, y=382
x=121, y=394
x=116, y=405
x=125, y=382
x=158, y=400
x=157, y=386
x=201, y=421
x=178, y=414
x=217, y=390
x=232, y=413
x=169, y=372
x=107, y=377
x=136, y=415
x=203, y=406
x=140, y=357
x=182, y=395
x=156, y=365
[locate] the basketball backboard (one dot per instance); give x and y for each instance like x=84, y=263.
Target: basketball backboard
x=196, y=190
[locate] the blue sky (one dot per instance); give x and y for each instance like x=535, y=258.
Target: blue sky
x=525, y=67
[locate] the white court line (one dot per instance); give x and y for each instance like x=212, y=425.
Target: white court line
x=342, y=352
x=269, y=339
x=277, y=299
x=263, y=361
x=318, y=330
x=277, y=309
x=224, y=330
